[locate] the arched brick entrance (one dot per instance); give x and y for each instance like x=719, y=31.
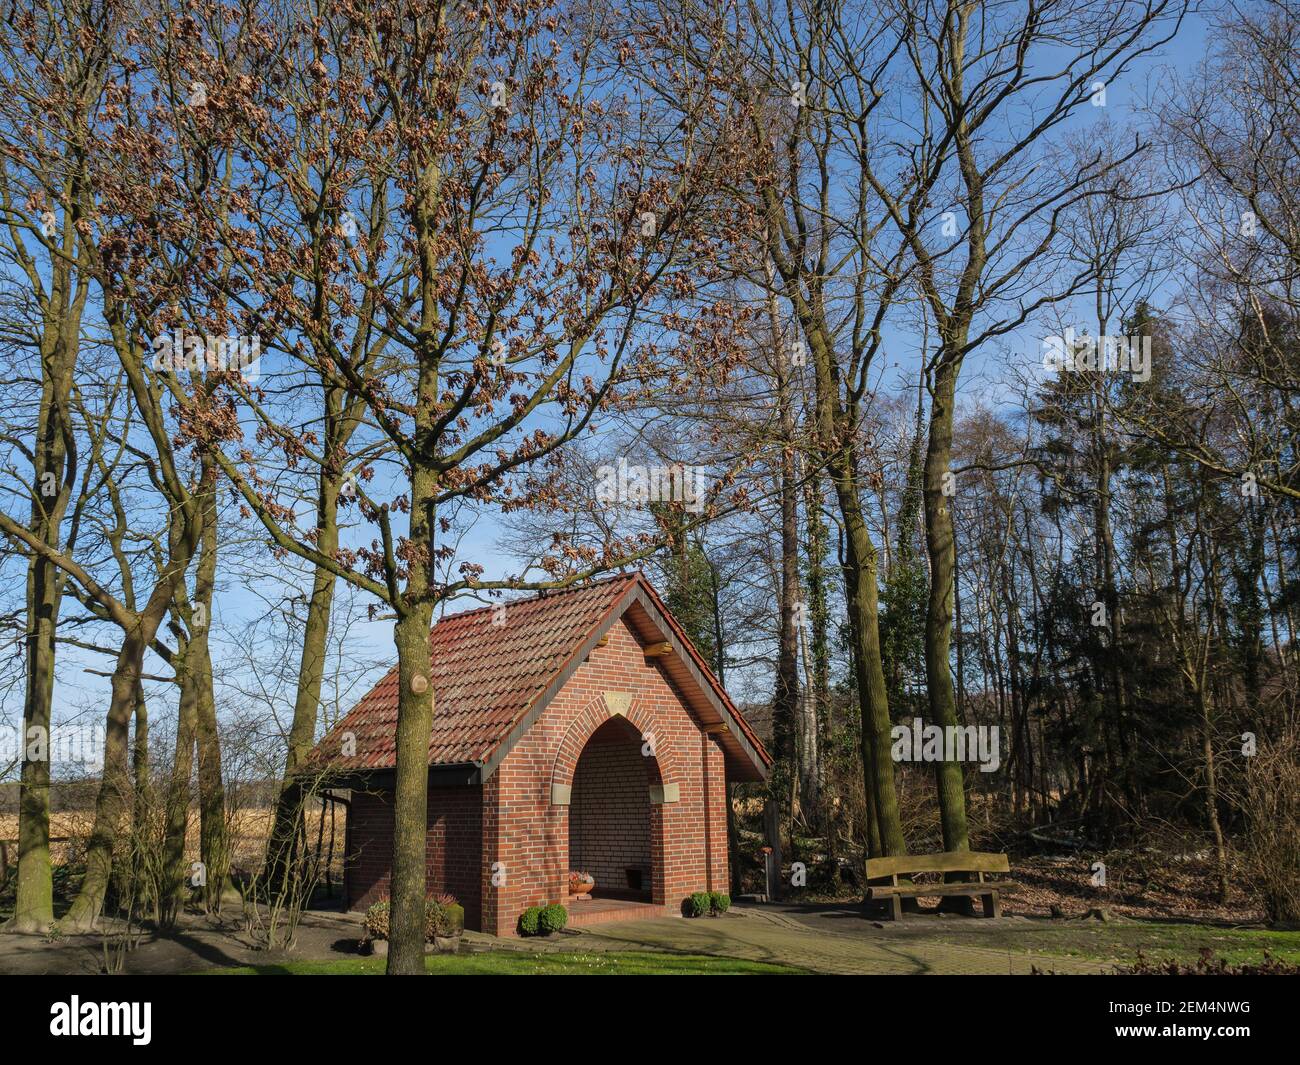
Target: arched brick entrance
x=610, y=775
x=610, y=811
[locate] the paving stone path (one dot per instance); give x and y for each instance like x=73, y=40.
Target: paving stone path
x=820, y=939
x=831, y=940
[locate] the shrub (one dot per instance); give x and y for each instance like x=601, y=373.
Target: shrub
x=377, y=920
x=553, y=918
x=697, y=904
x=721, y=901
x=455, y=914
x=1272, y=836
x=443, y=916
x=529, y=921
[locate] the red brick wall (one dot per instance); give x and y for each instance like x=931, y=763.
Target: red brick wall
x=453, y=847
x=492, y=876
x=530, y=837
x=609, y=812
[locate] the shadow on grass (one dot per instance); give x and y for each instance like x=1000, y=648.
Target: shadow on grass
x=519, y=963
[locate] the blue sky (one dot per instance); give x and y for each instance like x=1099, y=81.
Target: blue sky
x=81, y=697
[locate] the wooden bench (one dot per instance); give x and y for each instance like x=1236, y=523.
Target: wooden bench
x=880, y=870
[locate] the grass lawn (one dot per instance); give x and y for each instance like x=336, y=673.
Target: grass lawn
x=1157, y=940
x=523, y=963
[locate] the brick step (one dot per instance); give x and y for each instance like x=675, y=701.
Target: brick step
x=597, y=913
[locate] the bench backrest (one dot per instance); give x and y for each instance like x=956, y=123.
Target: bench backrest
x=947, y=862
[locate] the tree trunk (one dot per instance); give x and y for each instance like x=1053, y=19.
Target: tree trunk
x=286, y=830
x=178, y=792
x=862, y=595
x=411, y=797
x=787, y=774
x=111, y=804
x=818, y=675
x=53, y=469
x=1212, y=793
x=836, y=433
x=806, y=741
x=938, y=616
x=143, y=891
x=34, y=905
x=114, y=788
x=214, y=850
x=415, y=698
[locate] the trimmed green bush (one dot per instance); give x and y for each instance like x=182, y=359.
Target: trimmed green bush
x=529, y=921
x=553, y=918
x=721, y=901
x=697, y=904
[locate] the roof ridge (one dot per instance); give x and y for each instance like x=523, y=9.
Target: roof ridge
x=545, y=593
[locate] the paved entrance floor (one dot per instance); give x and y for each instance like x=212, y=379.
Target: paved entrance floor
x=825, y=939
x=607, y=907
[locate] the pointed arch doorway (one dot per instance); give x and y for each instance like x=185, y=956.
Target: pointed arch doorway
x=616, y=826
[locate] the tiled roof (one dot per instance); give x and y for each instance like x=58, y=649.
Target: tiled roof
x=485, y=677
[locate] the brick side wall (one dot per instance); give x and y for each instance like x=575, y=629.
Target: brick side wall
x=493, y=879
x=714, y=773
x=453, y=847
x=609, y=812
x=529, y=835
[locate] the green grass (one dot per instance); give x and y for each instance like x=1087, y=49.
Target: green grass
x=525, y=963
x=1157, y=940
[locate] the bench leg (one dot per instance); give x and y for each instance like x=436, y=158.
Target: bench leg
x=962, y=904
x=992, y=904
x=895, y=908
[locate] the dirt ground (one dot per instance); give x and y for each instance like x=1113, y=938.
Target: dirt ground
x=202, y=942
x=1139, y=884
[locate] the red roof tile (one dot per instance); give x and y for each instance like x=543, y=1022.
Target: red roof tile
x=486, y=677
